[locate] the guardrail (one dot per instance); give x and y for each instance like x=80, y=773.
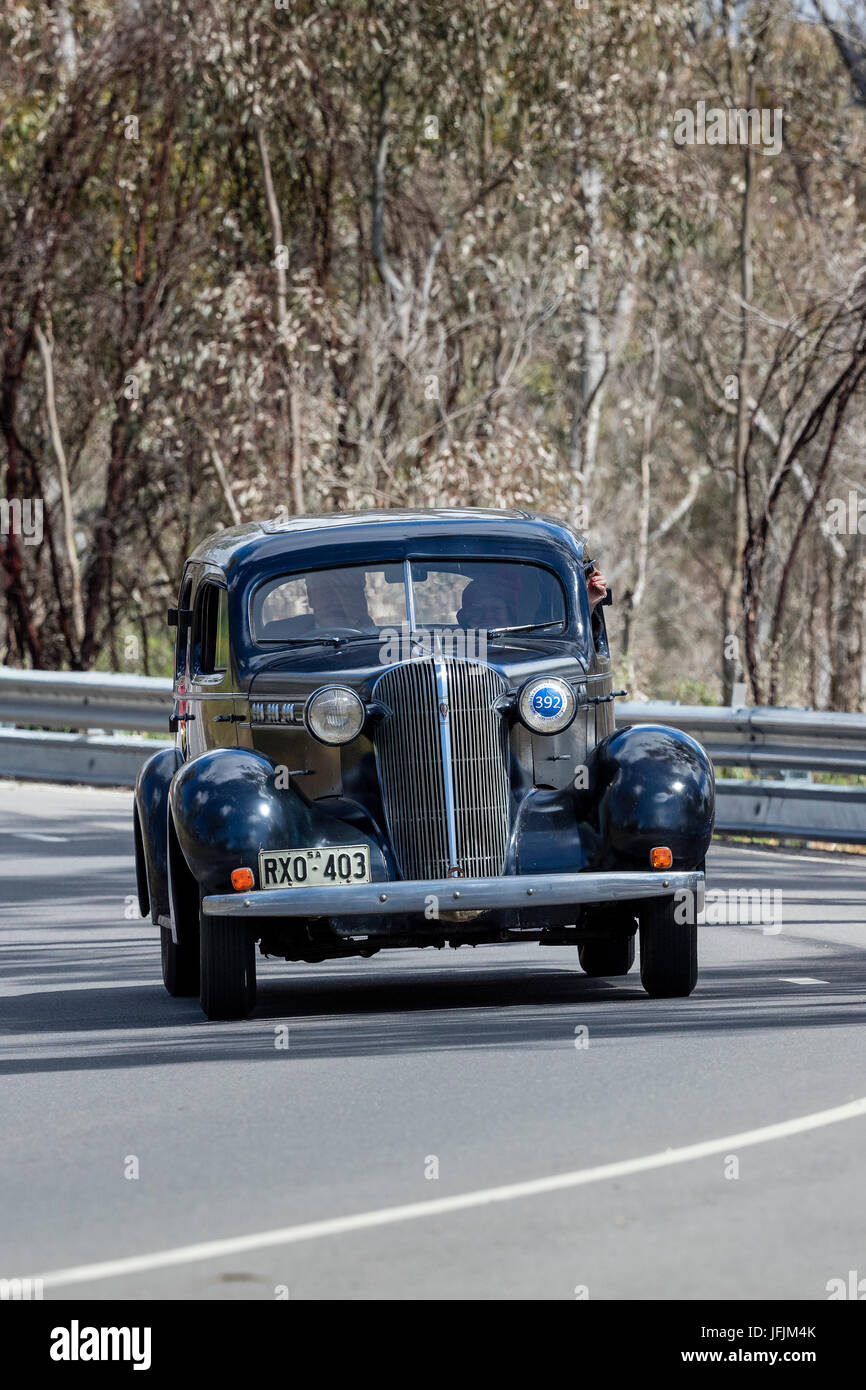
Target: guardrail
x=84, y=700
x=765, y=739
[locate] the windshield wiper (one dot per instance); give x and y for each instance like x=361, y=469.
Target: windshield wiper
x=493, y=632
x=323, y=638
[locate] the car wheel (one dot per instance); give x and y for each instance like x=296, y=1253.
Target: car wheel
x=668, y=950
x=180, y=959
x=179, y=966
x=228, y=968
x=607, y=958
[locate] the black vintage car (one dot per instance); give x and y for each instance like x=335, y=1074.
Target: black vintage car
x=396, y=729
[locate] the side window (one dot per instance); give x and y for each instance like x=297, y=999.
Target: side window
x=182, y=639
x=599, y=634
x=598, y=626
x=210, y=638
x=222, y=632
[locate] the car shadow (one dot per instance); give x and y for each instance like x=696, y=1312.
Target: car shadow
x=462, y=1007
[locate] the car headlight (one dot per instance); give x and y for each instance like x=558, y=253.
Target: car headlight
x=335, y=714
x=547, y=704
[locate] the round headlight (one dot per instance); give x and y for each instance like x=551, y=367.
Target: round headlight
x=547, y=704
x=334, y=714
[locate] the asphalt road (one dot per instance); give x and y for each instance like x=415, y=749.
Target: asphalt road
x=463, y=1062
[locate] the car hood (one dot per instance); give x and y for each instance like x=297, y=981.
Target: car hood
x=360, y=664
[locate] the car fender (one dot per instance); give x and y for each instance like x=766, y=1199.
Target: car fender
x=150, y=827
x=652, y=785
x=229, y=803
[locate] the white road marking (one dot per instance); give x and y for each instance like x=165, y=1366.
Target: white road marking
x=413, y=1211
x=34, y=835
x=829, y=859
x=801, y=980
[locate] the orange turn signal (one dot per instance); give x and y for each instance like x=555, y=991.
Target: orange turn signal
x=660, y=858
x=242, y=879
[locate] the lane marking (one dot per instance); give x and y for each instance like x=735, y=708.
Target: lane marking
x=801, y=980
x=34, y=835
x=832, y=860
x=413, y=1211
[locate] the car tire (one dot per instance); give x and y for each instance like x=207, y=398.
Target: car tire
x=228, y=968
x=180, y=959
x=179, y=966
x=668, y=950
x=606, y=958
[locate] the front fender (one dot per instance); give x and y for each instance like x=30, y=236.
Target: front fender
x=227, y=805
x=655, y=786
x=151, y=839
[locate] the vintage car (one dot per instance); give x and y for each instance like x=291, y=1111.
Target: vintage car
x=396, y=729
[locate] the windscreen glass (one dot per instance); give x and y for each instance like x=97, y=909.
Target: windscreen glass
x=477, y=594
x=485, y=594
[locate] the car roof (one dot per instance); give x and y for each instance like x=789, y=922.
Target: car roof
x=267, y=540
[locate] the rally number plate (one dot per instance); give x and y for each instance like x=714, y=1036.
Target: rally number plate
x=314, y=868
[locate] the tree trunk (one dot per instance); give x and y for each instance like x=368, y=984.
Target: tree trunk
x=293, y=446
x=732, y=666
x=587, y=404
x=634, y=597
x=849, y=605
x=45, y=350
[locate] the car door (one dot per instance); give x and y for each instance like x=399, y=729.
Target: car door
x=210, y=686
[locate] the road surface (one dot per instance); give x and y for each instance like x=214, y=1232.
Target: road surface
x=314, y=1137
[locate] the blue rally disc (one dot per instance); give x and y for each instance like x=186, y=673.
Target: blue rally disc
x=546, y=702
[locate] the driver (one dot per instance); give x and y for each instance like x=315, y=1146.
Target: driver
x=494, y=602
x=492, y=599
x=485, y=604
x=337, y=599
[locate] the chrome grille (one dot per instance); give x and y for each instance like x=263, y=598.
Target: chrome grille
x=414, y=779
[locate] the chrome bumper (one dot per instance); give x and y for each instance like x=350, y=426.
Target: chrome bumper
x=452, y=895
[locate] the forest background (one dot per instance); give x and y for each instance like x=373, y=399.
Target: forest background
x=265, y=258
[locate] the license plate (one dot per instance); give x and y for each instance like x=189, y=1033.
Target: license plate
x=314, y=868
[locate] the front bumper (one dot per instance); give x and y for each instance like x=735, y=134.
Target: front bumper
x=452, y=895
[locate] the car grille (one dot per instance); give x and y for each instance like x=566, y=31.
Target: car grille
x=414, y=779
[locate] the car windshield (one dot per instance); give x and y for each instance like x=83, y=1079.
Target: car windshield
x=468, y=594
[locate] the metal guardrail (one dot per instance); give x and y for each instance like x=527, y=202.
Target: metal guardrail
x=776, y=741
x=84, y=700
x=766, y=739
x=92, y=759
x=796, y=810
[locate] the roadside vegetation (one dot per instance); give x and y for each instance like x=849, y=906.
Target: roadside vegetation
x=260, y=259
